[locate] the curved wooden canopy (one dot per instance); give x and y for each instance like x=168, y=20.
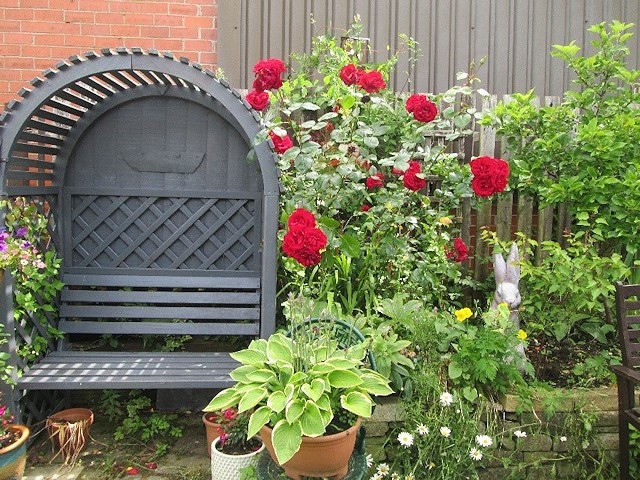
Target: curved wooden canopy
x=38, y=134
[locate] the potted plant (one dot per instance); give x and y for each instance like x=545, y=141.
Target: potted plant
x=13, y=445
x=215, y=424
x=69, y=431
x=233, y=450
x=301, y=388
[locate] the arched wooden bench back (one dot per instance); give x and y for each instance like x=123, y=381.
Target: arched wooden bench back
x=163, y=211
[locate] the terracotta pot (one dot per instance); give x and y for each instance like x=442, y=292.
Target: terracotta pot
x=326, y=456
x=13, y=458
x=213, y=431
x=69, y=431
x=227, y=467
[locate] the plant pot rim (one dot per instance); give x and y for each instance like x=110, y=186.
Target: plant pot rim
x=24, y=434
x=324, y=438
x=71, y=415
x=244, y=455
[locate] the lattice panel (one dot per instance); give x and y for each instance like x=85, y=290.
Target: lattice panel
x=157, y=232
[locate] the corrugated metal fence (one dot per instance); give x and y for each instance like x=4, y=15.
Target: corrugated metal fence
x=515, y=36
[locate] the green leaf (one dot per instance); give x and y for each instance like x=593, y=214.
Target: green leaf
x=375, y=384
x=313, y=390
x=262, y=375
x=287, y=439
x=347, y=102
x=249, y=356
x=279, y=349
x=357, y=403
x=344, y=379
x=258, y=419
x=251, y=399
x=224, y=399
x=310, y=106
x=294, y=410
x=455, y=371
x=277, y=401
x=311, y=421
x=350, y=245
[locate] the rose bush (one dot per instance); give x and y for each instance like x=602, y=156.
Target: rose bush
x=352, y=154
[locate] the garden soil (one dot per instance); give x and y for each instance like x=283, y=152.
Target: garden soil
x=104, y=458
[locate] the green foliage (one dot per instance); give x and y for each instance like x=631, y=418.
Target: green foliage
x=342, y=136
x=584, y=151
x=25, y=250
x=5, y=370
x=138, y=421
x=297, y=385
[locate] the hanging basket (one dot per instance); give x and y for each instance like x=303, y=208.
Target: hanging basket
x=69, y=431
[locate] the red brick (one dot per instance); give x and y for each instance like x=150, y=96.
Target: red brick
x=125, y=30
x=198, y=22
x=18, y=13
x=19, y=63
x=139, y=19
x=94, y=30
x=12, y=26
x=183, y=10
x=10, y=50
x=95, y=5
x=181, y=32
x=198, y=45
x=154, y=32
x=30, y=3
x=17, y=38
x=168, y=20
x=10, y=3
x=172, y=45
x=64, y=4
x=110, y=18
x=80, y=17
x=154, y=7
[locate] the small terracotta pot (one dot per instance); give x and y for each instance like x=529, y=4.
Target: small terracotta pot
x=62, y=426
x=213, y=430
x=326, y=456
x=13, y=458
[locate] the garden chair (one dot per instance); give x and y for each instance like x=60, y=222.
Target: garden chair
x=627, y=374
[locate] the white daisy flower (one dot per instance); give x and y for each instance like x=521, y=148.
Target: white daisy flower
x=484, y=440
x=409, y=477
x=446, y=399
x=405, y=439
x=395, y=476
x=369, y=460
x=383, y=470
x=475, y=454
x=422, y=429
x=445, y=432
x=520, y=434
x=376, y=476
x=563, y=438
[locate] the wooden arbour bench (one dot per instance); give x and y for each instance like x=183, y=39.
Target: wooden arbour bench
x=164, y=214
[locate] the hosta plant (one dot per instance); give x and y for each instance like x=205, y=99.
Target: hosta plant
x=300, y=388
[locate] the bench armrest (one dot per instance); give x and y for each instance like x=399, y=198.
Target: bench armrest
x=626, y=373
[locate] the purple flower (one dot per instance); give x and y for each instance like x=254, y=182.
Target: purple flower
x=26, y=245
x=21, y=232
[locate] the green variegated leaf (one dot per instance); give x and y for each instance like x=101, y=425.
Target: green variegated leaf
x=342, y=363
x=279, y=349
x=375, y=384
x=262, y=375
x=224, y=399
x=277, y=401
x=258, y=419
x=294, y=410
x=358, y=403
x=311, y=421
x=313, y=390
x=344, y=379
x=298, y=378
x=251, y=399
x=287, y=439
x=240, y=373
x=324, y=403
x=249, y=356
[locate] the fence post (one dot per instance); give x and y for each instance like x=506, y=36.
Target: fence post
x=6, y=318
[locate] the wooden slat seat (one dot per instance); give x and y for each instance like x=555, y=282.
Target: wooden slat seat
x=116, y=370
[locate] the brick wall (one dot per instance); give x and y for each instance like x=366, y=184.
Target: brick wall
x=37, y=34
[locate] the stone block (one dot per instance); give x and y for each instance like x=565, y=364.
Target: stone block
x=597, y=400
x=388, y=409
x=544, y=472
x=375, y=447
x=376, y=429
x=535, y=442
x=494, y=473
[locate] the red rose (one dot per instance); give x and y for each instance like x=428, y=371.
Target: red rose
x=459, y=252
x=307, y=257
x=315, y=239
x=422, y=109
x=349, y=74
x=411, y=179
x=268, y=73
x=499, y=183
x=414, y=101
x=258, y=100
x=374, y=181
x=371, y=82
x=301, y=218
x=293, y=241
x=365, y=208
x=483, y=186
x=280, y=144
x=482, y=165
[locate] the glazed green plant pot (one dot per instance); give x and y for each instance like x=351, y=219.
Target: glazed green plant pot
x=13, y=458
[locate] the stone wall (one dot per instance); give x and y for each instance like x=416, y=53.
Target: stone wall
x=546, y=451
